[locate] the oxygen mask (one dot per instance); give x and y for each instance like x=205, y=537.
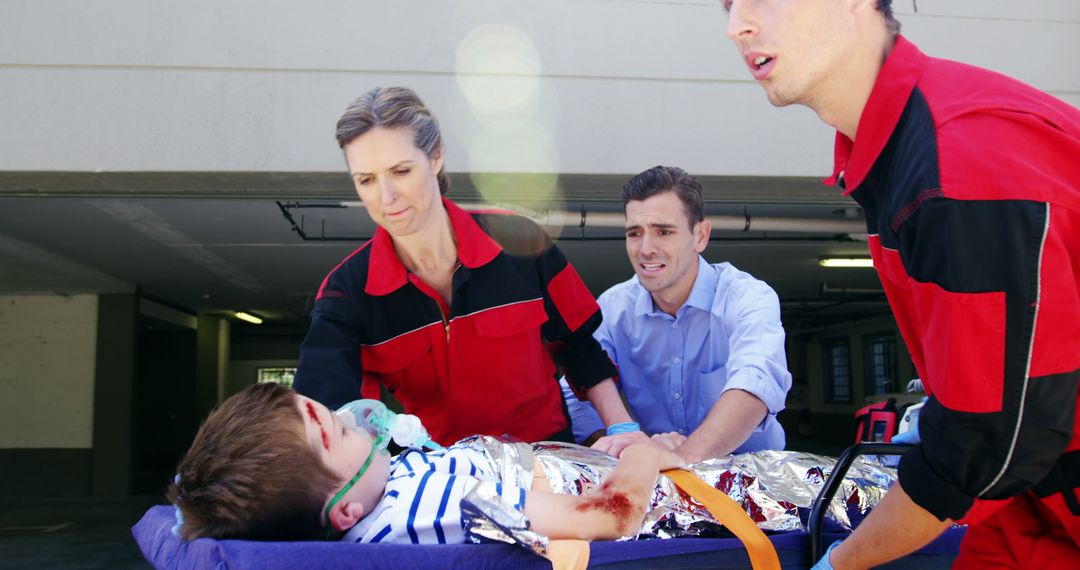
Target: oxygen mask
x=375, y=419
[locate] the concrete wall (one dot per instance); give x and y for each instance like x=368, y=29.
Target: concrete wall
x=586, y=86
x=114, y=390
x=211, y=362
x=47, y=349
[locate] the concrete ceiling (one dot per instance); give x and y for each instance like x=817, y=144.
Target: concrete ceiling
x=209, y=242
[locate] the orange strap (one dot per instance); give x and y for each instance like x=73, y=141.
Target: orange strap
x=568, y=554
x=732, y=516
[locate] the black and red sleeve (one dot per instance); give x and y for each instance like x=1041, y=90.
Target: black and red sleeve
x=990, y=430
x=330, y=370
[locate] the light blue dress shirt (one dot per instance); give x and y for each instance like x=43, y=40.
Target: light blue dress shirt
x=673, y=369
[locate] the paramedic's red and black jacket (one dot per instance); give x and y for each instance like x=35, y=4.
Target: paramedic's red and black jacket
x=970, y=182
x=480, y=366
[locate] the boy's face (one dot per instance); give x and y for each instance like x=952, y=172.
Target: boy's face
x=344, y=452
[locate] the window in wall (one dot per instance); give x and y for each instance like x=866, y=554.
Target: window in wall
x=283, y=376
x=880, y=362
x=837, y=370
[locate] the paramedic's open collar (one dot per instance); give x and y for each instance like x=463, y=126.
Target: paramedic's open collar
x=387, y=274
x=894, y=85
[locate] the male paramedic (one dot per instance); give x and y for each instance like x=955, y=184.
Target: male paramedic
x=699, y=346
x=970, y=182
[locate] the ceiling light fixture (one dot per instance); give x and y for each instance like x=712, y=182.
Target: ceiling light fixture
x=846, y=262
x=248, y=317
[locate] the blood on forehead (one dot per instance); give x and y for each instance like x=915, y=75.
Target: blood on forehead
x=313, y=414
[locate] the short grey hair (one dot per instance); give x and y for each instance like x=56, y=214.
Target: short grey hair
x=393, y=107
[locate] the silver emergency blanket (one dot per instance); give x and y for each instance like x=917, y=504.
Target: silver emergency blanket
x=776, y=488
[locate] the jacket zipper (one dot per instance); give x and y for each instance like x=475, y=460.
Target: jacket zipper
x=445, y=320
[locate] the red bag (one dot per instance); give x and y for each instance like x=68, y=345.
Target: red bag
x=877, y=422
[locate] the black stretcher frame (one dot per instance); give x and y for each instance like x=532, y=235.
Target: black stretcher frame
x=832, y=485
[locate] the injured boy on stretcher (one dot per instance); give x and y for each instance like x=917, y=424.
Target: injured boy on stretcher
x=269, y=464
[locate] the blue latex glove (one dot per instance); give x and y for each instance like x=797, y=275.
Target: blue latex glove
x=824, y=564
x=625, y=427
x=909, y=436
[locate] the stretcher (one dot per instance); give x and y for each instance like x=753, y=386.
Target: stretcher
x=794, y=550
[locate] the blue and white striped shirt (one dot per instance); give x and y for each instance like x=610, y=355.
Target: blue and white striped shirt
x=422, y=500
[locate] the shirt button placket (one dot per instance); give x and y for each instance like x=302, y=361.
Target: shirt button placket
x=675, y=345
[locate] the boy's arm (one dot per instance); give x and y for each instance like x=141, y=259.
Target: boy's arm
x=615, y=509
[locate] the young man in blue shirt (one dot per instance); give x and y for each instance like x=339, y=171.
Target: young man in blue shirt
x=699, y=346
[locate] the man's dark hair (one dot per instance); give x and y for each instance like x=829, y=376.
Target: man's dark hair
x=885, y=7
x=659, y=179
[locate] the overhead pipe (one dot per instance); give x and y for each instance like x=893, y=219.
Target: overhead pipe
x=744, y=223
x=851, y=229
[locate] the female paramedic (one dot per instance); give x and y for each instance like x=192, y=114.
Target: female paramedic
x=461, y=315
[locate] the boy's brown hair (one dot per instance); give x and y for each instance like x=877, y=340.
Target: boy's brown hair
x=251, y=473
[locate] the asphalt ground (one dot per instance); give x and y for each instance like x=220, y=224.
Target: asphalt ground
x=72, y=533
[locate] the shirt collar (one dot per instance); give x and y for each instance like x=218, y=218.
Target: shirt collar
x=701, y=293
x=701, y=296
x=474, y=246
x=890, y=95
x=643, y=305
x=386, y=273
